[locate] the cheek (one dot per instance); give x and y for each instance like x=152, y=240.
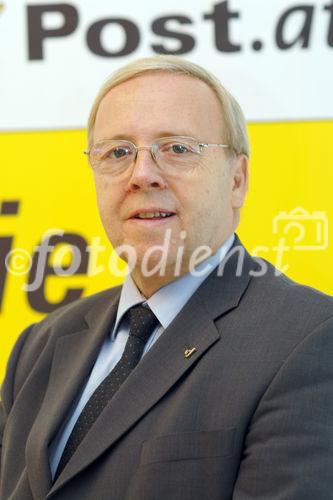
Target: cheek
x=208, y=198
x=210, y=205
x=108, y=206
x=107, y=195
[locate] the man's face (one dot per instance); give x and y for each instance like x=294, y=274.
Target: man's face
x=203, y=200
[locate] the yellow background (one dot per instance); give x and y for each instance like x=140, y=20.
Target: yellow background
x=291, y=166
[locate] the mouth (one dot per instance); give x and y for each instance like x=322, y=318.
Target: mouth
x=147, y=215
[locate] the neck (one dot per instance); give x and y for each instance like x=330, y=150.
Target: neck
x=149, y=285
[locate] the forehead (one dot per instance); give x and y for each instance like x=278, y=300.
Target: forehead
x=156, y=103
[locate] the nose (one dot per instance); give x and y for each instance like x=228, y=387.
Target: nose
x=145, y=173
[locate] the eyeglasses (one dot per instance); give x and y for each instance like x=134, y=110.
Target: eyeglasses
x=170, y=154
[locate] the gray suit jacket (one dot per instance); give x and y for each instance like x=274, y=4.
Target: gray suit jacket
x=248, y=416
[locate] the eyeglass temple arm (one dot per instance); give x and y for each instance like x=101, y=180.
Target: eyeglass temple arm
x=215, y=145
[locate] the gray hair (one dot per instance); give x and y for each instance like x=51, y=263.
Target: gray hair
x=233, y=117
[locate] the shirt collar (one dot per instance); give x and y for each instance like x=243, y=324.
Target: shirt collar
x=171, y=298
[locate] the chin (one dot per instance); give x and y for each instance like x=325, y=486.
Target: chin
x=153, y=261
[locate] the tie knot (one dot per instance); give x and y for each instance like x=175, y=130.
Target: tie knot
x=142, y=322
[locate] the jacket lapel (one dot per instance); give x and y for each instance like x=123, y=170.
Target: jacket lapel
x=73, y=359
x=164, y=363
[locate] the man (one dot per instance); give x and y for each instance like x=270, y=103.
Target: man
x=220, y=385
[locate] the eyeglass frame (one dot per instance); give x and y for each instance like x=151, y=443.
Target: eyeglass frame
x=151, y=147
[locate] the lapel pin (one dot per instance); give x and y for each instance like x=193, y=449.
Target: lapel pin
x=188, y=352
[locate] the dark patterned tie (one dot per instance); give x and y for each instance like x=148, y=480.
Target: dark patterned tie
x=142, y=323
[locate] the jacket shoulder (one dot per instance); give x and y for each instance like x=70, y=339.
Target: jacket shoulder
x=303, y=305
x=41, y=337
x=76, y=310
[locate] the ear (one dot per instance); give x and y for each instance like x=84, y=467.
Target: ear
x=239, y=179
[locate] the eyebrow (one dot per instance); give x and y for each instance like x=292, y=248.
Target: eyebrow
x=163, y=133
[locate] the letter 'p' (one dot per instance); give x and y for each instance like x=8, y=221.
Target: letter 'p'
x=37, y=33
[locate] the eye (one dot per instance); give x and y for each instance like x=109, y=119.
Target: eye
x=118, y=152
x=179, y=148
